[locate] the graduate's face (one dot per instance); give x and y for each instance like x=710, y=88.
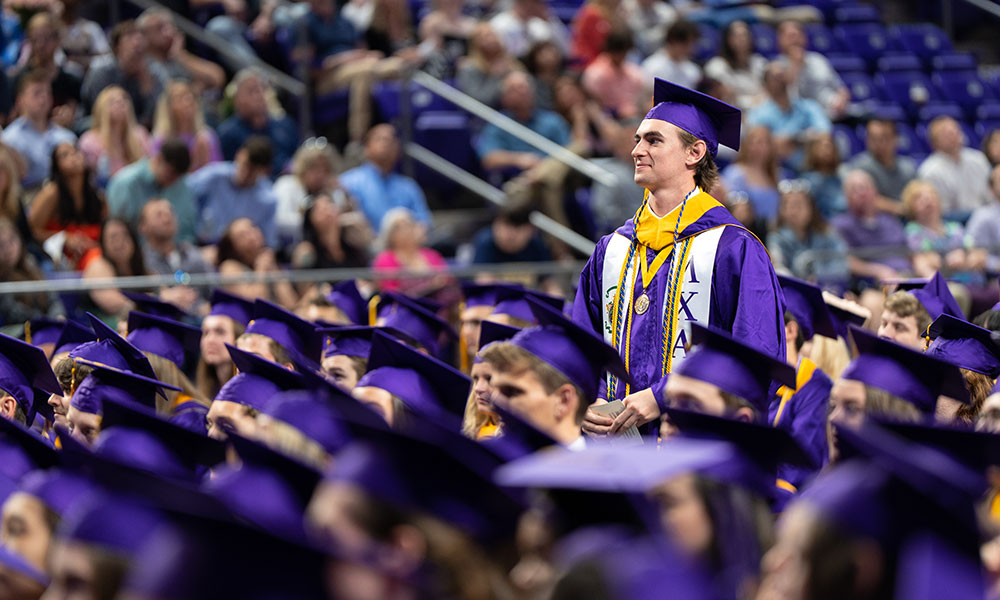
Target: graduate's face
x=847, y=403
x=378, y=400
x=17, y=586
x=989, y=415
x=83, y=426
x=472, y=318
x=341, y=369
x=902, y=330
x=72, y=572
x=224, y=417
x=785, y=567
x=683, y=515
x=330, y=517
x=216, y=332
x=24, y=529
x=659, y=155
x=524, y=394
x=482, y=387
x=694, y=395
x=255, y=343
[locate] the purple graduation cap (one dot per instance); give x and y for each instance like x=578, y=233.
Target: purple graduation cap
x=425, y=384
x=965, y=345
x=112, y=523
x=18, y=564
x=43, y=330
x=930, y=568
x=59, y=489
x=348, y=341
x=21, y=451
x=107, y=382
x=112, y=350
x=71, y=336
x=152, y=305
x=734, y=367
x=937, y=298
x=415, y=321
x=175, y=341
x=905, y=373
x=293, y=333
x=490, y=332
x=257, y=382
x=805, y=301
x=977, y=450
x=576, y=352
x=485, y=294
x=842, y=318
x=235, y=307
x=26, y=375
x=703, y=116
x=313, y=416
x=513, y=302
x=346, y=297
x=190, y=415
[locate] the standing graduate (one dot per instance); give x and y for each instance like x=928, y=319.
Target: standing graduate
x=682, y=259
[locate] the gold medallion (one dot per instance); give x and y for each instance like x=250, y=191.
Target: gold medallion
x=642, y=304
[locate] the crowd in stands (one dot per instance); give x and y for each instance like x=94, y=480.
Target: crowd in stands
x=127, y=149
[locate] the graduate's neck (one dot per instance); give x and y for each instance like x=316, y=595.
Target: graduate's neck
x=667, y=198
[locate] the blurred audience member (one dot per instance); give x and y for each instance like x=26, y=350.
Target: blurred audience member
x=960, y=174
x=376, y=187
x=593, y=132
x=391, y=30
x=614, y=82
x=251, y=116
x=991, y=147
x=83, y=40
x=877, y=236
x=984, y=225
x=592, y=24
x=114, y=139
x=648, y=20
x=163, y=253
x=127, y=68
x=225, y=191
x=482, y=72
x=937, y=244
x=822, y=164
x=161, y=176
x=510, y=238
x=121, y=256
x=33, y=134
x=546, y=64
x=881, y=160
x=738, y=67
x=64, y=80
x=16, y=264
x=333, y=236
x=179, y=114
x=673, y=61
x=803, y=244
x=445, y=20
x=12, y=196
x=527, y=22
x=791, y=119
x=314, y=171
x=402, y=238
x=756, y=173
x=242, y=250
x=68, y=204
x=810, y=73
x=165, y=48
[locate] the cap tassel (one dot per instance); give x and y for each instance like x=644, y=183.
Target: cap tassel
x=27, y=331
x=373, y=309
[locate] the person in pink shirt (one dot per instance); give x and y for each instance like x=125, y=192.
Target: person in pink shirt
x=615, y=83
x=402, y=238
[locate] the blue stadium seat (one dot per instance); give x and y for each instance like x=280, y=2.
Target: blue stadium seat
x=887, y=110
x=899, y=61
x=909, y=89
x=847, y=63
x=954, y=61
x=910, y=143
x=857, y=13
x=964, y=88
x=765, y=39
x=821, y=39
x=868, y=40
x=708, y=43
x=983, y=128
x=923, y=39
x=934, y=110
x=860, y=85
x=847, y=140
x=447, y=133
x=988, y=111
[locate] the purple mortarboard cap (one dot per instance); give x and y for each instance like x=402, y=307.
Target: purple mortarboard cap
x=314, y=416
x=906, y=284
x=842, y=318
x=24, y=370
x=229, y=305
x=22, y=451
x=904, y=372
x=347, y=341
x=734, y=367
x=18, y=564
x=291, y=332
x=107, y=382
x=578, y=353
x=805, y=301
x=485, y=294
x=965, y=345
x=71, y=336
x=703, y=116
x=415, y=321
x=930, y=568
x=174, y=341
x=257, y=382
x=154, y=306
x=996, y=306
x=7, y=485
x=113, y=350
x=191, y=416
x=43, y=330
x=513, y=302
x=346, y=297
x=490, y=332
x=937, y=298
x=356, y=416
x=425, y=384
x=977, y=450
x=114, y=524
x=59, y=490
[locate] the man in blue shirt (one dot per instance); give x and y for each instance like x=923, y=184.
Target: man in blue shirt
x=226, y=191
x=376, y=187
x=251, y=117
x=791, y=120
x=32, y=134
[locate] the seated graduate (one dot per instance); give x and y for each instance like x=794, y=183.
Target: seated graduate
x=977, y=352
x=226, y=321
x=26, y=381
x=279, y=336
x=478, y=301
x=345, y=353
x=480, y=420
x=417, y=323
x=908, y=311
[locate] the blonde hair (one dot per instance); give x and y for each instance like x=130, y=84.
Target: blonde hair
x=288, y=440
x=390, y=222
x=169, y=373
x=830, y=355
x=42, y=19
x=473, y=419
x=307, y=154
x=163, y=125
x=911, y=191
x=475, y=55
x=131, y=147
x=10, y=203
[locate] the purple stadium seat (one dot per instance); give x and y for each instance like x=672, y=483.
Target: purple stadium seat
x=887, y=111
x=765, y=40
x=954, y=61
x=827, y=7
x=988, y=111
x=964, y=88
x=847, y=63
x=923, y=39
x=447, y=134
x=708, y=43
x=899, y=61
x=331, y=107
x=847, y=140
x=910, y=143
x=860, y=85
x=909, y=89
x=821, y=39
x=983, y=128
x=857, y=13
x=933, y=110
x=868, y=40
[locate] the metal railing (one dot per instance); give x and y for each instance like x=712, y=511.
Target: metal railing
x=948, y=13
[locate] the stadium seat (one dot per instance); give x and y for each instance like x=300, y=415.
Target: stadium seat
x=909, y=143
x=923, y=39
x=988, y=111
x=707, y=45
x=899, y=61
x=954, y=61
x=331, y=107
x=934, y=110
x=857, y=13
x=447, y=134
x=847, y=63
x=765, y=40
x=868, y=40
x=847, y=140
x=860, y=85
x=964, y=88
x=889, y=111
x=909, y=89
x=821, y=39
x=983, y=128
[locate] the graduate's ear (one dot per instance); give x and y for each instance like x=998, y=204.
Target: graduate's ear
x=405, y=551
x=695, y=152
x=8, y=407
x=566, y=401
x=791, y=333
x=744, y=414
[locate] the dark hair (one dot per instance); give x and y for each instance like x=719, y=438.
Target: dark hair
x=682, y=31
x=259, y=151
x=226, y=250
x=29, y=77
x=887, y=122
x=175, y=153
x=135, y=263
x=986, y=142
x=726, y=51
x=93, y=205
x=619, y=40
x=531, y=59
x=833, y=571
x=706, y=173
x=988, y=320
x=121, y=30
x=25, y=269
x=800, y=337
x=517, y=214
x=816, y=221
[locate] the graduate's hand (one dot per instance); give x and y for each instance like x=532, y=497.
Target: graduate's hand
x=596, y=425
x=640, y=408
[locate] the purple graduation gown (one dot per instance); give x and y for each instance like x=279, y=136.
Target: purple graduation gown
x=804, y=417
x=729, y=282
